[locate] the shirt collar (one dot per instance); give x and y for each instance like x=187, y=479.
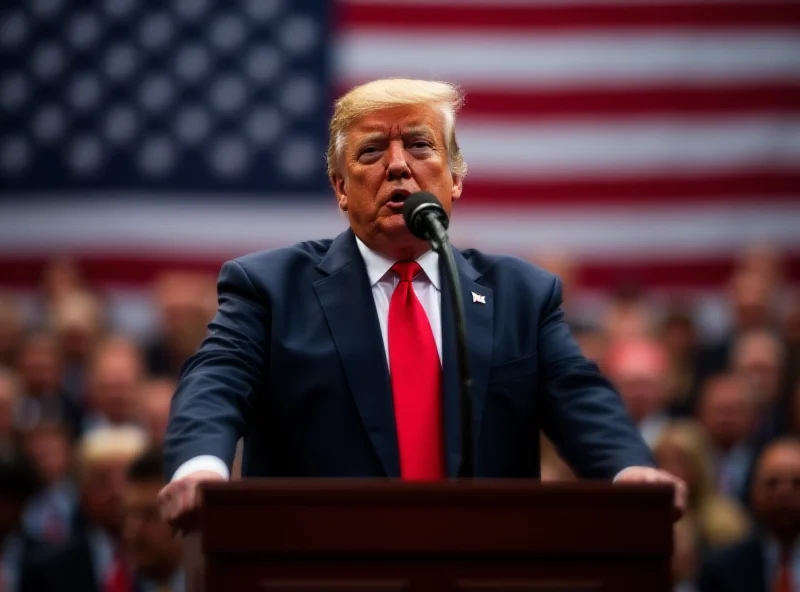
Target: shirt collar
x=378, y=265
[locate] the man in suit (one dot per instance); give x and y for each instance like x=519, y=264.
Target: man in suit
x=337, y=358
x=769, y=560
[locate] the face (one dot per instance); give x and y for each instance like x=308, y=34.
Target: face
x=102, y=487
x=49, y=448
x=116, y=378
x=726, y=412
x=776, y=490
x=388, y=155
x=154, y=551
x=154, y=411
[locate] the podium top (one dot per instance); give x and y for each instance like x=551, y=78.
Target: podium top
x=387, y=516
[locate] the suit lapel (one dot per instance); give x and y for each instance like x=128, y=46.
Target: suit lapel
x=349, y=307
x=479, y=318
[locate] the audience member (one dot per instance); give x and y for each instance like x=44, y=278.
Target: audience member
x=116, y=373
x=78, y=324
x=12, y=330
x=186, y=303
x=48, y=517
x=769, y=560
x=93, y=560
x=640, y=370
x=154, y=400
x=727, y=413
x=679, y=335
x=18, y=482
x=154, y=552
x=683, y=450
x=9, y=400
x=43, y=396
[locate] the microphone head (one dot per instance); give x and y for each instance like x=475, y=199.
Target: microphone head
x=416, y=209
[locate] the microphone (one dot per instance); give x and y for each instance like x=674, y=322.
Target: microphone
x=426, y=219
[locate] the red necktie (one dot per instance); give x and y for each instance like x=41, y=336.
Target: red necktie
x=783, y=583
x=416, y=380
x=118, y=578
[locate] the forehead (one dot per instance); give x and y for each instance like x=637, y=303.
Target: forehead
x=781, y=459
x=398, y=119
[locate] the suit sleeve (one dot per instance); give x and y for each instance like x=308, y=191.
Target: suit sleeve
x=215, y=390
x=583, y=415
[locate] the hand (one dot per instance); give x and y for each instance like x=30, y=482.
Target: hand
x=651, y=475
x=177, y=501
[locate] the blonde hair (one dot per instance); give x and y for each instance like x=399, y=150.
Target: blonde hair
x=112, y=443
x=396, y=92
x=720, y=520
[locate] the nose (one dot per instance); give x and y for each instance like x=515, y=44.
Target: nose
x=397, y=167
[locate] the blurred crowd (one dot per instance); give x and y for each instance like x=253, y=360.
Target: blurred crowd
x=83, y=411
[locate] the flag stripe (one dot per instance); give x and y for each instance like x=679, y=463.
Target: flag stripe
x=152, y=225
x=437, y=16
x=676, y=189
x=575, y=61
x=640, y=147
x=723, y=99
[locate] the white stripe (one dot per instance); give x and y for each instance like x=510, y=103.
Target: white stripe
x=624, y=58
x=626, y=148
x=163, y=229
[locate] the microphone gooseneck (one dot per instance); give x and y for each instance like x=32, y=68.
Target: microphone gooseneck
x=426, y=219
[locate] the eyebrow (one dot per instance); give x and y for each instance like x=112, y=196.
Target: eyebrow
x=419, y=130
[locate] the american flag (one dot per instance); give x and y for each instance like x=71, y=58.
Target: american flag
x=651, y=140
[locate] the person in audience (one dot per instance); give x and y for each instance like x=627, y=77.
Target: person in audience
x=154, y=399
x=769, y=560
x=43, y=395
x=751, y=303
x=683, y=450
x=9, y=399
x=12, y=330
x=116, y=374
x=630, y=315
x=681, y=340
x=49, y=515
x=186, y=303
x=727, y=413
x=18, y=483
x=758, y=358
x=154, y=552
x=640, y=370
x=77, y=321
x=93, y=559
x=685, y=555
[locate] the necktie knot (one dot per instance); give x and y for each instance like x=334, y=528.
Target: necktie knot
x=407, y=270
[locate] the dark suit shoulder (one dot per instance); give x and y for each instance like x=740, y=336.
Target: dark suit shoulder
x=509, y=270
x=307, y=251
x=737, y=567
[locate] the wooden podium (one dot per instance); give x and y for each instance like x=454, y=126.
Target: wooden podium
x=381, y=536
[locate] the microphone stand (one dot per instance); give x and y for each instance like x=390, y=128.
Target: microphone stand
x=441, y=244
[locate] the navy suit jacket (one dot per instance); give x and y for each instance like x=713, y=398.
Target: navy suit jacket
x=295, y=363
x=737, y=568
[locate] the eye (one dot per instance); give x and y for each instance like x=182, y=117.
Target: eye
x=420, y=144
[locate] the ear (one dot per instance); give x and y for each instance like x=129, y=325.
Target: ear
x=458, y=185
x=337, y=181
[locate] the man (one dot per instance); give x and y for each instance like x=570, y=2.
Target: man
x=727, y=413
x=93, y=558
x=331, y=357
x=769, y=561
x=155, y=552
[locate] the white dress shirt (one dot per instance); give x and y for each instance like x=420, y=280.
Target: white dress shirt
x=427, y=287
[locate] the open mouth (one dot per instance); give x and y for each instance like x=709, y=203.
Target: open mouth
x=397, y=198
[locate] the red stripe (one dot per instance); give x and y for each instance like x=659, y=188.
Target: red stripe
x=487, y=16
x=718, y=100
x=136, y=272
x=676, y=190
